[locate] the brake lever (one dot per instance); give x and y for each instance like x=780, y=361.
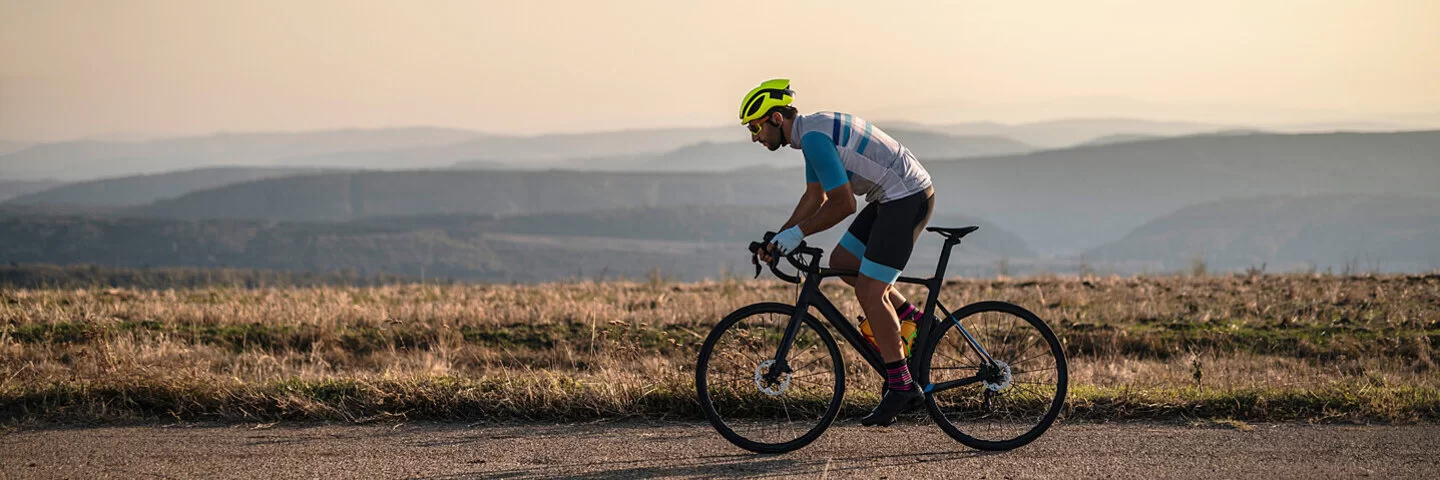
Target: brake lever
x=755, y=260
x=755, y=248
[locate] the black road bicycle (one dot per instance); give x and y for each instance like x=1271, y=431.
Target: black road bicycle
x=771, y=379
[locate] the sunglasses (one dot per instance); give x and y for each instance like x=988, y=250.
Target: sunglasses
x=755, y=127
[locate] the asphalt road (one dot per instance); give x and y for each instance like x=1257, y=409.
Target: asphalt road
x=669, y=449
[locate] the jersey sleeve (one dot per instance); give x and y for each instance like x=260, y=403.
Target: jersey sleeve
x=822, y=161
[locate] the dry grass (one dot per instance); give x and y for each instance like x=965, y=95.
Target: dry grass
x=1236, y=348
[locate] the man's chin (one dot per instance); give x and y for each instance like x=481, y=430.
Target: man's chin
x=772, y=147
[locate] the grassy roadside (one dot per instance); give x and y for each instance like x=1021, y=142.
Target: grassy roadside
x=1266, y=348
x=553, y=397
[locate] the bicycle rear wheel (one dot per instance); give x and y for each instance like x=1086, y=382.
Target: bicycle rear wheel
x=757, y=412
x=1001, y=403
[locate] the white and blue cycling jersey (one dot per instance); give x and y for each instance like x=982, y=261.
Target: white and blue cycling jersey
x=841, y=148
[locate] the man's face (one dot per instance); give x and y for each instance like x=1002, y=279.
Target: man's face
x=768, y=135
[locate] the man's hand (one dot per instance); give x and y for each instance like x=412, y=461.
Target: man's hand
x=786, y=241
x=768, y=254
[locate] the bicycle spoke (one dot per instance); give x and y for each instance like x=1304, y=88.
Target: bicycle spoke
x=1033, y=370
x=1027, y=387
x=798, y=405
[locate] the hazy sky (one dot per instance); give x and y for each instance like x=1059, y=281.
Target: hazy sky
x=72, y=68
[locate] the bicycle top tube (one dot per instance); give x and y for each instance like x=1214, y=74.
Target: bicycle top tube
x=827, y=272
x=952, y=238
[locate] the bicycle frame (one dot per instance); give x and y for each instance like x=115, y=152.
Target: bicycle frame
x=811, y=296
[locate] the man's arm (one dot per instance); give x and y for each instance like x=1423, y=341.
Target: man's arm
x=832, y=212
x=810, y=203
x=837, y=201
x=822, y=165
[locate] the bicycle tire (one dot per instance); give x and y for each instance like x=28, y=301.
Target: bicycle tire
x=758, y=401
x=1025, y=397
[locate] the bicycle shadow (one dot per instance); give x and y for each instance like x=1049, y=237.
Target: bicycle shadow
x=736, y=465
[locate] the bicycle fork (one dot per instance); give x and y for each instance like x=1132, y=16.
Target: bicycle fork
x=781, y=365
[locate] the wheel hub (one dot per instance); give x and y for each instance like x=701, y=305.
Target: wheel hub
x=998, y=377
x=772, y=388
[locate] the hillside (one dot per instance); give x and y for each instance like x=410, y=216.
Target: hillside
x=1058, y=201
x=683, y=242
x=8, y=146
x=1072, y=132
x=143, y=189
x=1118, y=138
x=15, y=188
x=1064, y=201
x=1338, y=232
x=710, y=156
x=348, y=196
x=589, y=151
x=88, y=160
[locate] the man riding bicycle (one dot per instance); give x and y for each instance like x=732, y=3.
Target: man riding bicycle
x=846, y=156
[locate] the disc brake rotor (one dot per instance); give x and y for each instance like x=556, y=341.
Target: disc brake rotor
x=773, y=389
x=1001, y=379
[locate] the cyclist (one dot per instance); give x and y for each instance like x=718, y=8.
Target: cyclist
x=846, y=156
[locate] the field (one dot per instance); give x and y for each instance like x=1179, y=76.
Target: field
x=1222, y=348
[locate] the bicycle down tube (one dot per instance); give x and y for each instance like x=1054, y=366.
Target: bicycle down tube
x=810, y=295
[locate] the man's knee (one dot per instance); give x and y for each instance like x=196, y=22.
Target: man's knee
x=843, y=259
x=869, y=289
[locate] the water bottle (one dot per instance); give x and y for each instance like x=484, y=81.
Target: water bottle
x=907, y=334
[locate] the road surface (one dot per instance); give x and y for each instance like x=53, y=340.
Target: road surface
x=684, y=450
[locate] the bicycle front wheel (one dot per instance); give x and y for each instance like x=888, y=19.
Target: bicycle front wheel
x=1003, y=398
x=753, y=403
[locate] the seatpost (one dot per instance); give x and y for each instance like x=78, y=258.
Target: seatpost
x=945, y=258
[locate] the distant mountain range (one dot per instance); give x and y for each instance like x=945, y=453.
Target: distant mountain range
x=1118, y=199
x=15, y=188
x=1064, y=133
x=1284, y=233
x=339, y=197
x=7, y=146
x=684, y=242
x=1059, y=201
x=723, y=156
x=88, y=160
x=1063, y=201
x=144, y=189
x=698, y=149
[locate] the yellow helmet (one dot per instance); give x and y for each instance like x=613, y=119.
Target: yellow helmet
x=771, y=94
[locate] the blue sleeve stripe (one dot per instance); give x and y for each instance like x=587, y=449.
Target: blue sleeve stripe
x=865, y=140
x=835, y=133
x=845, y=137
x=824, y=159
x=878, y=271
x=854, y=245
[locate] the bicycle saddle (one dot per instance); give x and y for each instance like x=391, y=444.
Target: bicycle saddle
x=953, y=233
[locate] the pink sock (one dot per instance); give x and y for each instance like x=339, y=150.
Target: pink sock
x=898, y=378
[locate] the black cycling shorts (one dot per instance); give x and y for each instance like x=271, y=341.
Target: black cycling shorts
x=883, y=235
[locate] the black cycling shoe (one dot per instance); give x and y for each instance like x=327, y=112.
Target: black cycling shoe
x=893, y=404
